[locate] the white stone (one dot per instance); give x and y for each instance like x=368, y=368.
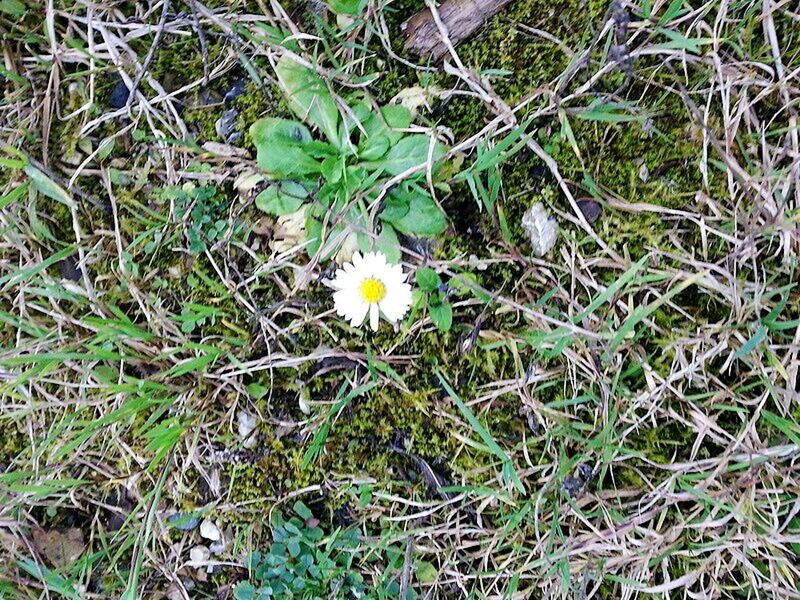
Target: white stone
x=199, y=554
x=246, y=425
x=542, y=229
x=210, y=531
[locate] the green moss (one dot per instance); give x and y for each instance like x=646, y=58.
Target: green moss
x=12, y=441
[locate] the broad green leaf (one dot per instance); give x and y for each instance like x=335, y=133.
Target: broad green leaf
x=283, y=147
x=309, y=97
x=428, y=280
x=388, y=243
x=426, y=572
x=396, y=116
x=373, y=148
x=333, y=169
x=282, y=198
x=411, y=151
x=413, y=212
x=244, y=590
x=347, y=7
x=441, y=315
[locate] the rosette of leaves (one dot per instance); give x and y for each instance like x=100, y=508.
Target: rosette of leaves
x=302, y=562
x=339, y=176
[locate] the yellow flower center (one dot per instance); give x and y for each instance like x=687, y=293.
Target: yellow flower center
x=372, y=290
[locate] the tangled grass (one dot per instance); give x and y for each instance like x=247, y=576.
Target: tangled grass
x=618, y=418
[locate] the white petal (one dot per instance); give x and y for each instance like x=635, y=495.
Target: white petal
x=345, y=302
x=374, y=316
x=397, y=303
x=358, y=312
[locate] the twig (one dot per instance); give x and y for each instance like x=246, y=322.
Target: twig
x=150, y=54
x=201, y=36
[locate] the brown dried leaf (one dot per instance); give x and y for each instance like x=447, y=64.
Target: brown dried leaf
x=61, y=547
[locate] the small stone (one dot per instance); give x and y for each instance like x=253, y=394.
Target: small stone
x=237, y=89
x=199, y=554
x=477, y=263
x=246, y=425
x=541, y=228
x=119, y=95
x=572, y=486
x=590, y=209
x=210, y=531
x=226, y=126
x=69, y=269
x=174, y=592
x=207, y=97
x=644, y=172
x=585, y=472
x=217, y=547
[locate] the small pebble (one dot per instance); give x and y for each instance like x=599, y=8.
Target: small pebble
x=236, y=90
x=217, y=547
x=572, y=486
x=542, y=229
x=119, y=95
x=246, y=425
x=199, y=554
x=68, y=267
x=585, y=472
x=226, y=126
x=210, y=531
x=590, y=209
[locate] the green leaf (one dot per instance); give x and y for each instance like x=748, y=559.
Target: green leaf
x=427, y=279
x=347, y=7
x=441, y=315
x=44, y=185
x=411, y=151
x=309, y=97
x=15, y=8
x=333, y=169
x=283, y=147
x=13, y=195
x=244, y=591
x=314, y=232
x=302, y=510
x=396, y=116
x=413, y=212
x=611, y=112
x=282, y=198
x=426, y=572
x=373, y=148
x=789, y=428
x=388, y=243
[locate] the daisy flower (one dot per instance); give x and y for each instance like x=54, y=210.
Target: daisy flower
x=371, y=285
